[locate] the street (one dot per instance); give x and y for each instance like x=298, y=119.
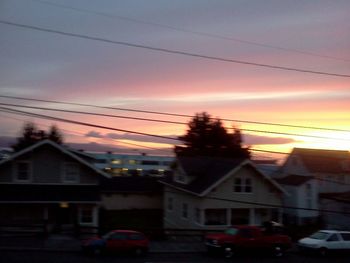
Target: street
x=8, y=256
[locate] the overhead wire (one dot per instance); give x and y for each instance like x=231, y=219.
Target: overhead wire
x=84, y=134
x=19, y=112
x=199, y=33
x=169, y=51
x=269, y=205
x=163, y=121
x=167, y=113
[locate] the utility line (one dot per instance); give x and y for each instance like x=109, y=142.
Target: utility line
x=269, y=205
x=83, y=134
x=18, y=112
x=169, y=51
x=84, y=123
x=168, y=114
x=163, y=121
x=199, y=33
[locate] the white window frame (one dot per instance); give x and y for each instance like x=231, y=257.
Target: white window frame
x=64, y=172
x=93, y=210
x=29, y=171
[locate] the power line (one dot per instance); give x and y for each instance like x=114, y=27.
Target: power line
x=163, y=121
x=84, y=123
x=169, y=51
x=168, y=114
x=199, y=33
x=270, y=205
x=83, y=134
x=18, y=112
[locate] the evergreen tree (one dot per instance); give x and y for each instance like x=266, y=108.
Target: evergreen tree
x=208, y=137
x=30, y=135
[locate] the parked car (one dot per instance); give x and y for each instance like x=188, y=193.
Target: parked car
x=247, y=238
x=119, y=241
x=325, y=241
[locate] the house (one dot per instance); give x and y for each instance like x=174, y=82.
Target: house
x=209, y=192
x=302, y=202
x=48, y=185
x=131, y=202
x=331, y=168
x=335, y=209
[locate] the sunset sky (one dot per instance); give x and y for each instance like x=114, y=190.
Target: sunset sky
x=123, y=67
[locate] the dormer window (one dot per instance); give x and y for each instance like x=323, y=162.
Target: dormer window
x=22, y=171
x=71, y=173
x=242, y=185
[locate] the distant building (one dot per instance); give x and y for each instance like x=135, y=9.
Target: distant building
x=133, y=165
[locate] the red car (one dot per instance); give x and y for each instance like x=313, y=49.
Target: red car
x=118, y=241
x=249, y=239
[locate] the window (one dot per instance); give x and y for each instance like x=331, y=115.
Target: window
x=86, y=215
x=116, y=161
x=170, y=203
x=333, y=237
x=238, y=185
x=185, y=210
x=136, y=237
x=149, y=162
x=197, y=215
x=215, y=217
x=119, y=236
x=23, y=171
x=345, y=236
x=243, y=185
x=71, y=172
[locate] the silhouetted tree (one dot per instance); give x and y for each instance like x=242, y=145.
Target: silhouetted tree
x=31, y=134
x=207, y=136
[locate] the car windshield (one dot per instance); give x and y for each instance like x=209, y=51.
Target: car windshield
x=319, y=235
x=231, y=231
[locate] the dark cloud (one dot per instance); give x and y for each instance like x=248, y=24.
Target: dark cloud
x=259, y=140
x=141, y=138
x=94, y=134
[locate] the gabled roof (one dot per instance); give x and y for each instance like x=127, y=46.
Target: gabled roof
x=59, y=148
x=324, y=161
x=209, y=172
x=341, y=197
x=294, y=180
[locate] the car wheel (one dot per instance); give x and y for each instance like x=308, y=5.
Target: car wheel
x=97, y=251
x=139, y=251
x=229, y=252
x=278, y=251
x=323, y=251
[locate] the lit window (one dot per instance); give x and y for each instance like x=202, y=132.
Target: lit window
x=71, y=172
x=116, y=161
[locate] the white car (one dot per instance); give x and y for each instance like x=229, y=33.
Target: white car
x=324, y=241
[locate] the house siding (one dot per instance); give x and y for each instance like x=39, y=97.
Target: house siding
x=131, y=201
x=47, y=167
x=257, y=213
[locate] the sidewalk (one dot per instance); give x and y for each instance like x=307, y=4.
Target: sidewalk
x=71, y=244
